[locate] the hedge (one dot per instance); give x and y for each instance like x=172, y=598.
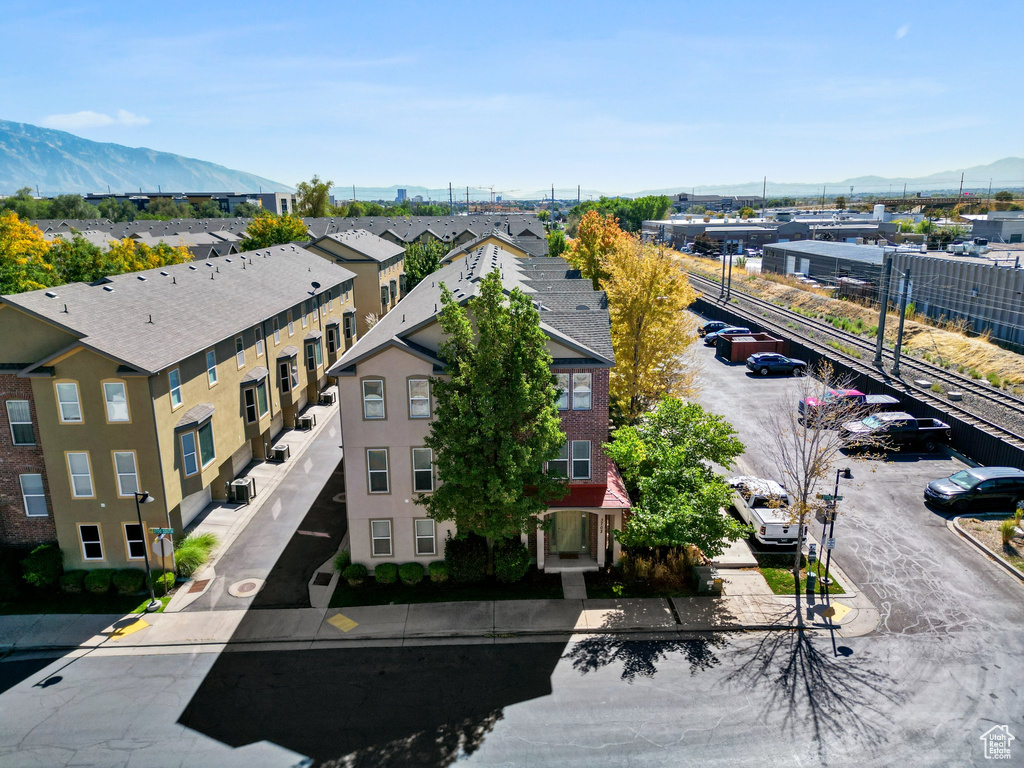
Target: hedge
x=341, y=560
x=386, y=573
x=410, y=573
x=438, y=571
x=466, y=558
x=73, y=582
x=98, y=581
x=43, y=566
x=511, y=560
x=128, y=581
x=163, y=583
x=354, y=574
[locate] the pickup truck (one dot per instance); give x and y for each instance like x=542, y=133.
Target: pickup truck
x=809, y=406
x=764, y=505
x=895, y=430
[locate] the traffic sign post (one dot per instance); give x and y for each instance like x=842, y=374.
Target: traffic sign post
x=161, y=531
x=830, y=544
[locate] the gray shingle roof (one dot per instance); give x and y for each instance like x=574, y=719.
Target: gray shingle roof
x=195, y=415
x=366, y=243
x=154, y=318
x=256, y=374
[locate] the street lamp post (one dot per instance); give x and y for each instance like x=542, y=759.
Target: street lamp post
x=145, y=498
x=831, y=521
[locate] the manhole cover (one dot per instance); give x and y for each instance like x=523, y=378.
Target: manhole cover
x=322, y=579
x=199, y=586
x=245, y=587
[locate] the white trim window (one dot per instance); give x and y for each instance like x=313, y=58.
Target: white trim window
x=240, y=352
x=291, y=323
x=582, y=392
x=426, y=542
x=135, y=541
x=256, y=405
x=419, y=398
x=284, y=377
x=174, y=382
x=69, y=404
x=207, y=449
x=127, y=473
x=92, y=543
x=373, y=399
x=19, y=416
x=377, y=470
x=211, y=367
x=332, y=339
x=34, y=495
x=259, y=340
x=276, y=324
x=189, y=453
x=559, y=466
x=422, y=470
x=380, y=538
x=580, y=459
x=562, y=385
x=81, y=475
x=115, y=395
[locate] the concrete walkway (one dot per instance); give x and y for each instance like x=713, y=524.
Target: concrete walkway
x=573, y=585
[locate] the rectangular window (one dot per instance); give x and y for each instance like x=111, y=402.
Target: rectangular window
x=380, y=537
x=135, y=541
x=20, y=416
x=394, y=289
x=310, y=356
x=419, y=399
x=33, y=495
x=92, y=544
x=580, y=459
x=332, y=339
x=81, y=475
x=68, y=403
x=127, y=473
x=346, y=323
x=240, y=352
x=284, y=378
x=294, y=366
x=250, y=405
x=259, y=341
x=426, y=544
x=174, y=380
x=305, y=311
x=116, y=396
x=422, y=470
x=189, y=457
x=211, y=367
x=559, y=466
x=318, y=349
x=373, y=399
x=291, y=323
x=277, y=331
x=581, y=392
x=206, y=449
x=562, y=384
x=377, y=470
x=261, y=398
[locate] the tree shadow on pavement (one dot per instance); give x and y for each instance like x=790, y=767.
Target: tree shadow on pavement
x=640, y=657
x=836, y=696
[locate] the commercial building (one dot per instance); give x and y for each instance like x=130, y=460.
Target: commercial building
x=168, y=381
x=387, y=409
x=1001, y=227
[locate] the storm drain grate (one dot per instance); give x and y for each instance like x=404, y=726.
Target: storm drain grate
x=322, y=579
x=199, y=586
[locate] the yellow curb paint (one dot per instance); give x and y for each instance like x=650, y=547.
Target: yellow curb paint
x=837, y=612
x=124, y=631
x=342, y=622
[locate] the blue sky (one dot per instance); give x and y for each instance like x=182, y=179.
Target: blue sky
x=617, y=97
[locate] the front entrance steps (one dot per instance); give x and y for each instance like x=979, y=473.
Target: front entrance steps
x=555, y=564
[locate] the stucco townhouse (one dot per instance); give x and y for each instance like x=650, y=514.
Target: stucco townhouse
x=167, y=381
x=387, y=408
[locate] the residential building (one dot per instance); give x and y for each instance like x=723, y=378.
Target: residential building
x=279, y=203
x=379, y=266
x=496, y=238
x=387, y=409
x=169, y=381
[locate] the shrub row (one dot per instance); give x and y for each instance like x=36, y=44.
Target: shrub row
x=127, y=581
x=388, y=573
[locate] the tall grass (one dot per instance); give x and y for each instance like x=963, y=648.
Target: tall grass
x=193, y=551
x=1007, y=529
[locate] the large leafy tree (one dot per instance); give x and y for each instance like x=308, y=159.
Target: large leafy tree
x=422, y=258
x=314, y=197
x=556, y=243
x=267, y=229
x=666, y=460
x=496, y=416
x=647, y=293
x=596, y=238
x=23, y=252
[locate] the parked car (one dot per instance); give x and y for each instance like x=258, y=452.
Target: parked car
x=764, y=505
x=712, y=327
x=895, y=429
x=999, y=488
x=809, y=406
x=770, y=362
x=712, y=338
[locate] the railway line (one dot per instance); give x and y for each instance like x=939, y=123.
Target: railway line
x=1014, y=407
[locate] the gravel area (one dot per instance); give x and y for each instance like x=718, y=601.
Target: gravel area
x=986, y=530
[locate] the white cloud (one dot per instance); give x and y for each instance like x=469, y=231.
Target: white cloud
x=89, y=119
x=902, y=31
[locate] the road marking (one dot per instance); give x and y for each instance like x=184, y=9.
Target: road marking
x=837, y=612
x=342, y=622
x=321, y=534
x=128, y=629
x=276, y=509
x=307, y=465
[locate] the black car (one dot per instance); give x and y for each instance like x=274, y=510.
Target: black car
x=978, y=488
x=771, y=362
x=712, y=327
x=712, y=338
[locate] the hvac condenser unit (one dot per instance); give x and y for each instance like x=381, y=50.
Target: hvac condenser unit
x=243, y=490
x=280, y=452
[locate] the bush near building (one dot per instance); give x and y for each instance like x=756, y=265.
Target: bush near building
x=511, y=560
x=43, y=566
x=128, y=581
x=466, y=558
x=386, y=573
x=98, y=582
x=411, y=573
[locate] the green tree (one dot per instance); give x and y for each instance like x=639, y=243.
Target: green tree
x=746, y=212
x=267, y=230
x=556, y=243
x=246, y=210
x=496, y=417
x=77, y=260
x=165, y=209
x=117, y=210
x=1004, y=196
x=26, y=206
x=421, y=259
x=314, y=197
x=356, y=209
x=543, y=216
x=667, y=463
x=840, y=202
x=210, y=209
x=72, y=207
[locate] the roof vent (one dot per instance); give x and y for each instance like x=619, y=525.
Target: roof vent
x=108, y=289
x=228, y=260
x=50, y=295
x=582, y=307
x=163, y=272
x=209, y=264
x=193, y=267
x=140, y=277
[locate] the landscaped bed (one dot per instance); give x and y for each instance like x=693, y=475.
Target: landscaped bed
x=533, y=586
x=610, y=583
x=59, y=602
x=777, y=570
x=986, y=530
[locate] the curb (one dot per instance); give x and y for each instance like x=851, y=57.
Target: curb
x=953, y=524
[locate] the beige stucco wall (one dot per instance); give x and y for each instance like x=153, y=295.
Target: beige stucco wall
x=399, y=434
x=26, y=339
x=371, y=276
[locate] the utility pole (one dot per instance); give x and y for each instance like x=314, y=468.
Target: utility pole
x=883, y=302
x=728, y=290
x=988, y=202
x=353, y=193
x=721, y=293
x=764, y=190
x=903, y=317
x=451, y=201
x=578, y=187
x=467, y=200
x=904, y=196
x=961, y=195
x=823, y=198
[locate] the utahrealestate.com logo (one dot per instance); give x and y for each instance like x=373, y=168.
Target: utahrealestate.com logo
x=997, y=742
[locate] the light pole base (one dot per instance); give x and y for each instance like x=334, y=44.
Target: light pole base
x=153, y=605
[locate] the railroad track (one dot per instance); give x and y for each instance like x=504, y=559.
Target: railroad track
x=709, y=288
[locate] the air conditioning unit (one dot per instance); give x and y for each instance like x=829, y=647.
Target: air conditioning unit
x=306, y=422
x=329, y=397
x=243, y=490
x=280, y=452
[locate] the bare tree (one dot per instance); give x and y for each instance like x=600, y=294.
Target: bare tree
x=805, y=443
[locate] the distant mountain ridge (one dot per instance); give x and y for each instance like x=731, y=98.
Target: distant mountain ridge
x=58, y=162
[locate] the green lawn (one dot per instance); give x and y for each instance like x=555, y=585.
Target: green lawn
x=534, y=586
x=610, y=584
x=778, y=572
x=59, y=602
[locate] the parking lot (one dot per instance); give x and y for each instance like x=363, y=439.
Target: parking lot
x=921, y=576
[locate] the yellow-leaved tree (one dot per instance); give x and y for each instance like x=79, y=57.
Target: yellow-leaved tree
x=596, y=238
x=23, y=252
x=647, y=297
x=129, y=255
